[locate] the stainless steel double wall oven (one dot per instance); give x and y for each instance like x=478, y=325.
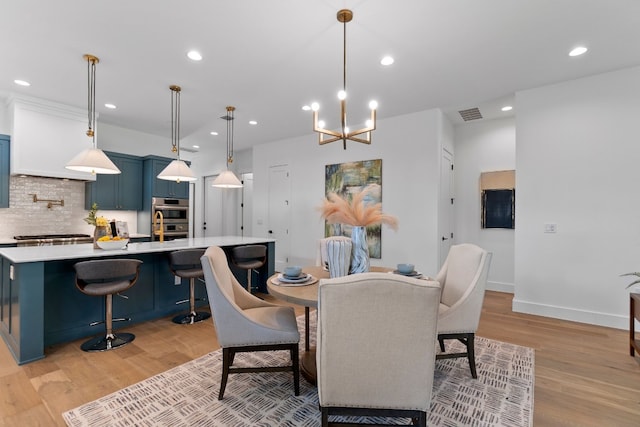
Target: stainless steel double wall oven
x=175, y=218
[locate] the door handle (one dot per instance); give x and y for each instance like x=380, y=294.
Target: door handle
x=444, y=238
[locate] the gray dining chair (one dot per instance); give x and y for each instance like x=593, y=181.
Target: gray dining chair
x=246, y=323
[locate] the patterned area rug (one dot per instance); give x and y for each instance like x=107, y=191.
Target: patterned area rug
x=187, y=395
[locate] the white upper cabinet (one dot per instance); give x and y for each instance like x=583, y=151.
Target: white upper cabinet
x=45, y=136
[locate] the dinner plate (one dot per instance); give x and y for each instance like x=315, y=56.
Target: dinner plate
x=303, y=278
x=412, y=274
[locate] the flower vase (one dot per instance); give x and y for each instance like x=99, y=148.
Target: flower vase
x=338, y=255
x=98, y=232
x=359, y=251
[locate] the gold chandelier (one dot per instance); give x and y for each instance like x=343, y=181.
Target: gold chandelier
x=363, y=135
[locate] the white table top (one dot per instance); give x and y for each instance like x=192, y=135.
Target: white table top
x=86, y=250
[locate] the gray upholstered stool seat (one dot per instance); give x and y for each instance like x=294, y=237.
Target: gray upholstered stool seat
x=107, y=277
x=249, y=257
x=186, y=264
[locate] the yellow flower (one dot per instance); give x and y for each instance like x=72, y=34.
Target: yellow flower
x=101, y=221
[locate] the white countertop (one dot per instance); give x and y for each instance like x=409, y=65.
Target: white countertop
x=86, y=250
x=12, y=241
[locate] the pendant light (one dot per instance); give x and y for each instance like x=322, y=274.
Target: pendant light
x=92, y=160
x=227, y=179
x=363, y=135
x=177, y=170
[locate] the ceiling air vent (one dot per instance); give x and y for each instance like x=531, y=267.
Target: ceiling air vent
x=470, y=114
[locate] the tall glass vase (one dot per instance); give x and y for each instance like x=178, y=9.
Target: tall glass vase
x=360, y=250
x=98, y=232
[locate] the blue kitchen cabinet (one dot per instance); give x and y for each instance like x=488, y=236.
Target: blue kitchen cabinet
x=153, y=165
x=4, y=171
x=121, y=191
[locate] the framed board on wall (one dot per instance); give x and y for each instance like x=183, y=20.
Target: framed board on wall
x=498, y=198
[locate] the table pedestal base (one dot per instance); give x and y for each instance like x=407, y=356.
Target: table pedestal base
x=308, y=366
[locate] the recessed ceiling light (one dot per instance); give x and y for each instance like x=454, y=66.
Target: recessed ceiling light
x=253, y=122
x=306, y=108
x=214, y=133
x=22, y=82
x=507, y=108
x=196, y=146
x=578, y=51
x=387, y=60
x=110, y=106
x=194, y=55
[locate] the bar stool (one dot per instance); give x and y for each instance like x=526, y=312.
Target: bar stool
x=249, y=257
x=106, y=277
x=186, y=264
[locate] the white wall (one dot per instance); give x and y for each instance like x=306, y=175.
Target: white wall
x=577, y=166
x=409, y=147
x=484, y=146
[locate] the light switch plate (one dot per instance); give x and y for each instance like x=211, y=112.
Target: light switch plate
x=177, y=280
x=550, y=228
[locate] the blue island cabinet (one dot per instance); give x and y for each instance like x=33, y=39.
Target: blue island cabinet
x=40, y=305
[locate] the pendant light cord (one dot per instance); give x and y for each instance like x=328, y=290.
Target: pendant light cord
x=175, y=119
x=230, y=118
x=91, y=101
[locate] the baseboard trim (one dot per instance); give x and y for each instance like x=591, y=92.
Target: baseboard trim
x=500, y=287
x=572, y=314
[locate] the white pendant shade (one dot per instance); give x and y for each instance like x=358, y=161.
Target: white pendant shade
x=177, y=171
x=227, y=179
x=92, y=160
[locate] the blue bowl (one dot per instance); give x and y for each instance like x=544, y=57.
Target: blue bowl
x=405, y=268
x=293, y=271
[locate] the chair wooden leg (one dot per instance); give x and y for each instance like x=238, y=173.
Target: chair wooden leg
x=227, y=356
x=471, y=354
x=295, y=365
x=325, y=416
x=420, y=421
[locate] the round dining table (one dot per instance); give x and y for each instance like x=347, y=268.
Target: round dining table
x=306, y=294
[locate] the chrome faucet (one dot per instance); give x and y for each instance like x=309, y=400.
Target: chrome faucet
x=160, y=231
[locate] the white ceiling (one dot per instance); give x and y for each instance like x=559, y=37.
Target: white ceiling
x=269, y=58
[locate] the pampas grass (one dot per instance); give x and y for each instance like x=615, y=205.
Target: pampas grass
x=337, y=210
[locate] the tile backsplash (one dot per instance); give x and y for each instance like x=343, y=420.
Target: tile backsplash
x=26, y=217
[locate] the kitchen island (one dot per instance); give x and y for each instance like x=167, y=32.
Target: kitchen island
x=40, y=305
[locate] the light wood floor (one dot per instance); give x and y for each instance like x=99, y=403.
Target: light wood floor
x=584, y=375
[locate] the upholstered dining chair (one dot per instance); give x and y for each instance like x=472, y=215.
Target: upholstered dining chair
x=463, y=278
x=245, y=323
x=376, y=345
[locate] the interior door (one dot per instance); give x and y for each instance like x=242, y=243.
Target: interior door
x=446, y=206
x=279, y=213
x=221, y=208
x=246, y=204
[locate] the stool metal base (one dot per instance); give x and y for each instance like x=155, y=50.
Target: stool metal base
x=108, y=342
x=191, y=318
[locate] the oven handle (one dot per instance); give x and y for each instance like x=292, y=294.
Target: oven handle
x=170, y=208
